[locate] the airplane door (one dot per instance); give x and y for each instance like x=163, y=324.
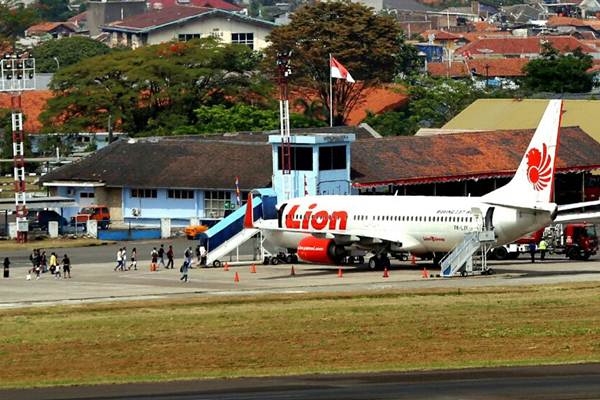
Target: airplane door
x=489, y=218
x=280, y=215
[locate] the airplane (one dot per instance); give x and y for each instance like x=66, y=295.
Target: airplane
x=327, y=229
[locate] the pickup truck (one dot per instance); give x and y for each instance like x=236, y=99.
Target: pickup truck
x=99, y=213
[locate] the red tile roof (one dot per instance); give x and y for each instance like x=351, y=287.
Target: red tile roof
x=46, y=27
x=220, y=4
x=454, y=157
x=440, y=35
x=528, y=45
x=76, y=19
x=483, y=26
x=32, y=103
x=500, y=67
x=456, y=69
x=374, y=100
x=567, y=21
x=160, y=17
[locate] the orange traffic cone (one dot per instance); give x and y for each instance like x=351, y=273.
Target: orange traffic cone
x=253, y=269
x=386, y=273
x=236, y=278
x=413, y=260
x=425, y=273
x=225, y=267
x=293, y=272
x=340, y=273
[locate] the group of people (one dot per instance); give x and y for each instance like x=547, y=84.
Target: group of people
x=158, y=256
x=542, y=247
x=122, y=259
x=41, y=264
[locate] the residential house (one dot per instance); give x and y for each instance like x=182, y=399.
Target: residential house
x=219, y=4
x=185, y=23
x=522, y=47
x=496, y=72
x=52, y=30
x=588, y=29
x=102, y=12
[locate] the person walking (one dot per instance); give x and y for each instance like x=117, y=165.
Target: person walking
x=53, y=263
x=187, y=255
x=119, y=259
x=6, y=267
x=543, y=246
x=44, y=262
x=198, y=258
x=124, y=259
x=66, y=267
x=57, y=272
x=161, y=255
x=532, y=251
x=154, y=260
x=202, y=255
x=133, y=259
x=170, y=257
x=184, y=271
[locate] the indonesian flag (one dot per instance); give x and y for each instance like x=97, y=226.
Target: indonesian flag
x=237, y=191
x=339, y=71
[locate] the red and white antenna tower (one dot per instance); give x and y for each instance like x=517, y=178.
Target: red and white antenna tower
x=284, y=71
x=17, y=73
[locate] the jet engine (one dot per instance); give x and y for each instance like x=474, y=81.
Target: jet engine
x=320, y=251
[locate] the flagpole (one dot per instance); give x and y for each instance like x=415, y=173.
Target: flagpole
x=330, y=94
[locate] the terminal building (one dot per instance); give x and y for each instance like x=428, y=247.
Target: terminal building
x=194, y=178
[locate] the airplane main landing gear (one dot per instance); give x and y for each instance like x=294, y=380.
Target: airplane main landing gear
x=379, y=261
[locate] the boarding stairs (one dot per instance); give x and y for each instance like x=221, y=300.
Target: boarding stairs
x=225, y=237
x=216, y=256
x=470, y=256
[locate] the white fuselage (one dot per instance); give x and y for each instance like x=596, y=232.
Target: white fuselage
x=419, y=224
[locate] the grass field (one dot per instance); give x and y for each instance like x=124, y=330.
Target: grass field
x=277, y=335
x=8, y=189
x=52, y=243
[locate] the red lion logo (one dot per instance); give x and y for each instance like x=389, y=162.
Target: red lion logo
x=539, y=167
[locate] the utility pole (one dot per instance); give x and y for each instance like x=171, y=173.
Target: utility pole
x=17, y=73
x=283, y=72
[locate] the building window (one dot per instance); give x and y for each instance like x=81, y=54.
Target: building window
x=144, y=193
x=180, y=194
x=87, y=195
x=302, y=158
x=214, y=203
x=184, y=37
x=332, y=157
x=243, y=38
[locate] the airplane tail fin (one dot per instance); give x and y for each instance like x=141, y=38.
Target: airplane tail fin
x=533, y=182
x=249, y=217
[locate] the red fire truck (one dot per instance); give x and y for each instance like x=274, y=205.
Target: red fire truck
x=576, y=241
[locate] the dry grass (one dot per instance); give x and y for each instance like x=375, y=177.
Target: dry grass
x=52, y=243
x=277, y=335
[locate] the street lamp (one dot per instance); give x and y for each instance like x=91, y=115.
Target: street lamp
x=110, y=130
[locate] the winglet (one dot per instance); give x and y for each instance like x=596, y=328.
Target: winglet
x=249, y=217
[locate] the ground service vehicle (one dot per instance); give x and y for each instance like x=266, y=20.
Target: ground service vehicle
x=576, y=241
x=192, y=232
x=99, y=213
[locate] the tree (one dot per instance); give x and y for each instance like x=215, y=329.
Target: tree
x=153, y=88
x=433, y=102
x=14, y=19
x=559, y=73
x=54, y=10
x=241, y=117
x=370, y=46
x=67, y=51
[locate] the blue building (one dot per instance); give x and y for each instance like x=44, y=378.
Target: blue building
x=184, y=178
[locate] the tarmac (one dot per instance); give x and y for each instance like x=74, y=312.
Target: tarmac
x=94, y=281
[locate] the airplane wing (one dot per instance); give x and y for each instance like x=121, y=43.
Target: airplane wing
x=573, y=206
x=364, y=238
x=590, y=217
